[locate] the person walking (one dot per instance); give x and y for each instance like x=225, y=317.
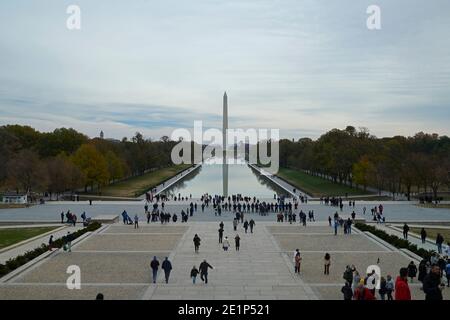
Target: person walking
x=329, y=221
x=62, y=217
x=402, y=291
x=439, y=242
x=382, y=291
x=348, y=276
x=167, y=267
x=154, y=265
x=251, y=224
x=194, y=273
x=235, y=223
x=389, y=287
x=196, y=241
x=412, y=271
x=432, y=286
x=136, y=221
x=246, y=226
x=226, y=244
x=336, y=224
x=220, y=235
x=297, y=261
x=327, y=263
x=405, y=231
x=204, y=271
x=50, y=243
x=423, y=235
x=237, y=241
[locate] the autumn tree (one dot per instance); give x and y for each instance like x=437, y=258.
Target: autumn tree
x=26, y=172
x=362, y=171
x=93, y=164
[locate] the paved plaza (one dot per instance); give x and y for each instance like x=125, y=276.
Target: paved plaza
x=393, y=211
x=116, y=262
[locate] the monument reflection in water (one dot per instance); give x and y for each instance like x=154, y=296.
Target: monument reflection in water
x=225, y=178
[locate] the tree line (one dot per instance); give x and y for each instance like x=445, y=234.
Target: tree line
x=400, y=165
x=67, y=160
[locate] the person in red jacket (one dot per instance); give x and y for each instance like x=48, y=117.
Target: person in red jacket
x=363, y=293
x=402, y=291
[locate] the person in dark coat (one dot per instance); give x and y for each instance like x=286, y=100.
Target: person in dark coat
x=167, y=267
x=412, y=271
x=252, y=225
x=203, y=268
x=220, y=235
x=194, y=273
x=405, y=231
x=196, y=242
x=154, y=265
x=439, y=242
x=347, y=291
x=237, y=241
x=423, y=235
x=422, y=270
x=432, y=286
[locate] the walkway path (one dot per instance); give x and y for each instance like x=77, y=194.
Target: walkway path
x=259, y=271
x=173, y=180
x=413, y=238
x=31, y=245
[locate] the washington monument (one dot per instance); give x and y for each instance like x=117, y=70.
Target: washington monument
x=224, y=146
x=225, y=122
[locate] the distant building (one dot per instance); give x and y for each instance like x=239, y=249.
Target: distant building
x=17, y=198
x=101, y=135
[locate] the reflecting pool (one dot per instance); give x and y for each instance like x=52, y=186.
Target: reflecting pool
x=225, y=179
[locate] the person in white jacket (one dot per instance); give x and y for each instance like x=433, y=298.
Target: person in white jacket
x=226, y=244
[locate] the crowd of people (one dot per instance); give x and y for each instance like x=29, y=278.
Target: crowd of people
x=431, y=274
x=71, y=218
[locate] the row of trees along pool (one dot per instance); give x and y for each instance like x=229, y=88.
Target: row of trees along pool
x=419, y=163
x=67, y=160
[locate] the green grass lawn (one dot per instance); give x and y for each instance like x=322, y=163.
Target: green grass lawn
x=136, y=186
x=317, y=186
x=10, y=236
x=434, y=206
x=432, y=233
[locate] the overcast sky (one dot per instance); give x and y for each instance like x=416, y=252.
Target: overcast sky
x=303, y=66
